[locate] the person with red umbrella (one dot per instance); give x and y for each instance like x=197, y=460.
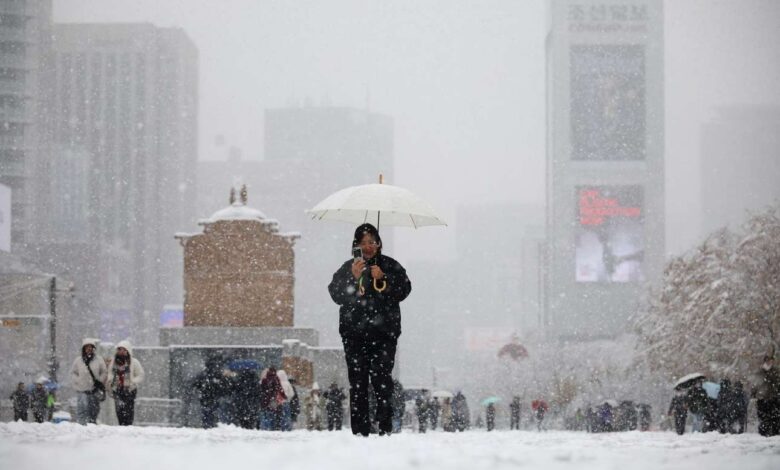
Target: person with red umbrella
x=539, y=408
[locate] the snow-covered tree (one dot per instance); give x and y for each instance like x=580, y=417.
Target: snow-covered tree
x=717, y=310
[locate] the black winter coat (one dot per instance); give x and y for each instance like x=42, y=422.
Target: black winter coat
x=697, y=400
x=212, y=385
x=20, y=400
x=372, y=314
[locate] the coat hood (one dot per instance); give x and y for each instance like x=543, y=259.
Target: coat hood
x=124, y=344
x=87, y=341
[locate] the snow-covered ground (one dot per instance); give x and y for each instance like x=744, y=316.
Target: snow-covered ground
x=31, y=446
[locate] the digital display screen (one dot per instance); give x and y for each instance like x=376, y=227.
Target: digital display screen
x=607, y=102
x=610, y=234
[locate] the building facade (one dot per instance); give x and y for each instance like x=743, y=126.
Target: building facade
x=605, y=163
x=24, y=32
x=122, y=118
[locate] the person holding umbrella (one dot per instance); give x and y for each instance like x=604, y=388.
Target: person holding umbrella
x=369, y=288
x=540, y=408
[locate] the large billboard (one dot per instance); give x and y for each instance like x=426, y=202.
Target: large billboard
x=610, y=234
x=5, y=218
x=607, y=102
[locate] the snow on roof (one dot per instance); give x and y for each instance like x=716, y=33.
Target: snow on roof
x=184, y=235
x=236, y=211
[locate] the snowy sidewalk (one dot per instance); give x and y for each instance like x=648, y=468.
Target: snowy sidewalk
x=27, y=446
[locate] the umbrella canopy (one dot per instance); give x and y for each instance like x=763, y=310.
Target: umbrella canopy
x=536, y=404
x=47, y=384
x=244, y=364
x=514, y=350
x=375, y=204
x=712, y=389
x=442, y=394
x=490, y=400
x=688, y=380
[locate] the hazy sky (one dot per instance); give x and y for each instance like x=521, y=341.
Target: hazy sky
x=464, y=81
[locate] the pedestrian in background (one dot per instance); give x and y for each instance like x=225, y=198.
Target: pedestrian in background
x=514, y=413
x=767, y=393
x=21, y=402
x=678, y=411
x=88, y=378
x=334, y=407
x=312, y=408
x=125, y=373
x=38, y=398
x=490, y=416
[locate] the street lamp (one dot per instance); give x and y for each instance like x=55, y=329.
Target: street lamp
x=53, y=362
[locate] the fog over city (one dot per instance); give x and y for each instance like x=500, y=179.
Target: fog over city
x=608, y=171
x=464, y=82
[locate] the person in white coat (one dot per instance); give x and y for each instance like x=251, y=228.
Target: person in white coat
x=289, y=392
x=312, y=408
x=124, y=375
x=88, y=378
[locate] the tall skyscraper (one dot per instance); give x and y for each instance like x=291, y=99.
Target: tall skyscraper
x=605, y=163
x=740, y=164
x=24, y=29
x=122, y=116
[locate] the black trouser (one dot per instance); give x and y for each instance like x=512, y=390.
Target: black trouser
x=39, y=415
x=768, y=417
x=514, y=421
x=370, y=360
x=20, y=415
x=679, y=422
x=124, y=403
x=335, y=419
x=208, y=416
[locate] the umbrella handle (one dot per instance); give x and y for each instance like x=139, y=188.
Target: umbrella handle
x=362, y=290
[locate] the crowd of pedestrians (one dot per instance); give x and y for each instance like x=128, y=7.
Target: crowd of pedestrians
x=269, y=400
x=723, y=407
x=451, y=413
x=38, y=399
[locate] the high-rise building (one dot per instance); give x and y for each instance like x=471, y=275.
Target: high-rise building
x=122, y=118
x=605, y=163
x=24, y=29
x=740, y=164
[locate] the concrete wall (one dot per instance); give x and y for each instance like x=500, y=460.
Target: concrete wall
x=156, y=364
x=329, y=366
x=197, y=335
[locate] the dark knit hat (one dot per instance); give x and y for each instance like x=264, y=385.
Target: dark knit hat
x=364, y=229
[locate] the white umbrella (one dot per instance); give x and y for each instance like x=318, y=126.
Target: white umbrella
x=442, y=394
x=686, y=380
x=375, y=204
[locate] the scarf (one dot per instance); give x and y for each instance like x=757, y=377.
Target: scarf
x=121, y=366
